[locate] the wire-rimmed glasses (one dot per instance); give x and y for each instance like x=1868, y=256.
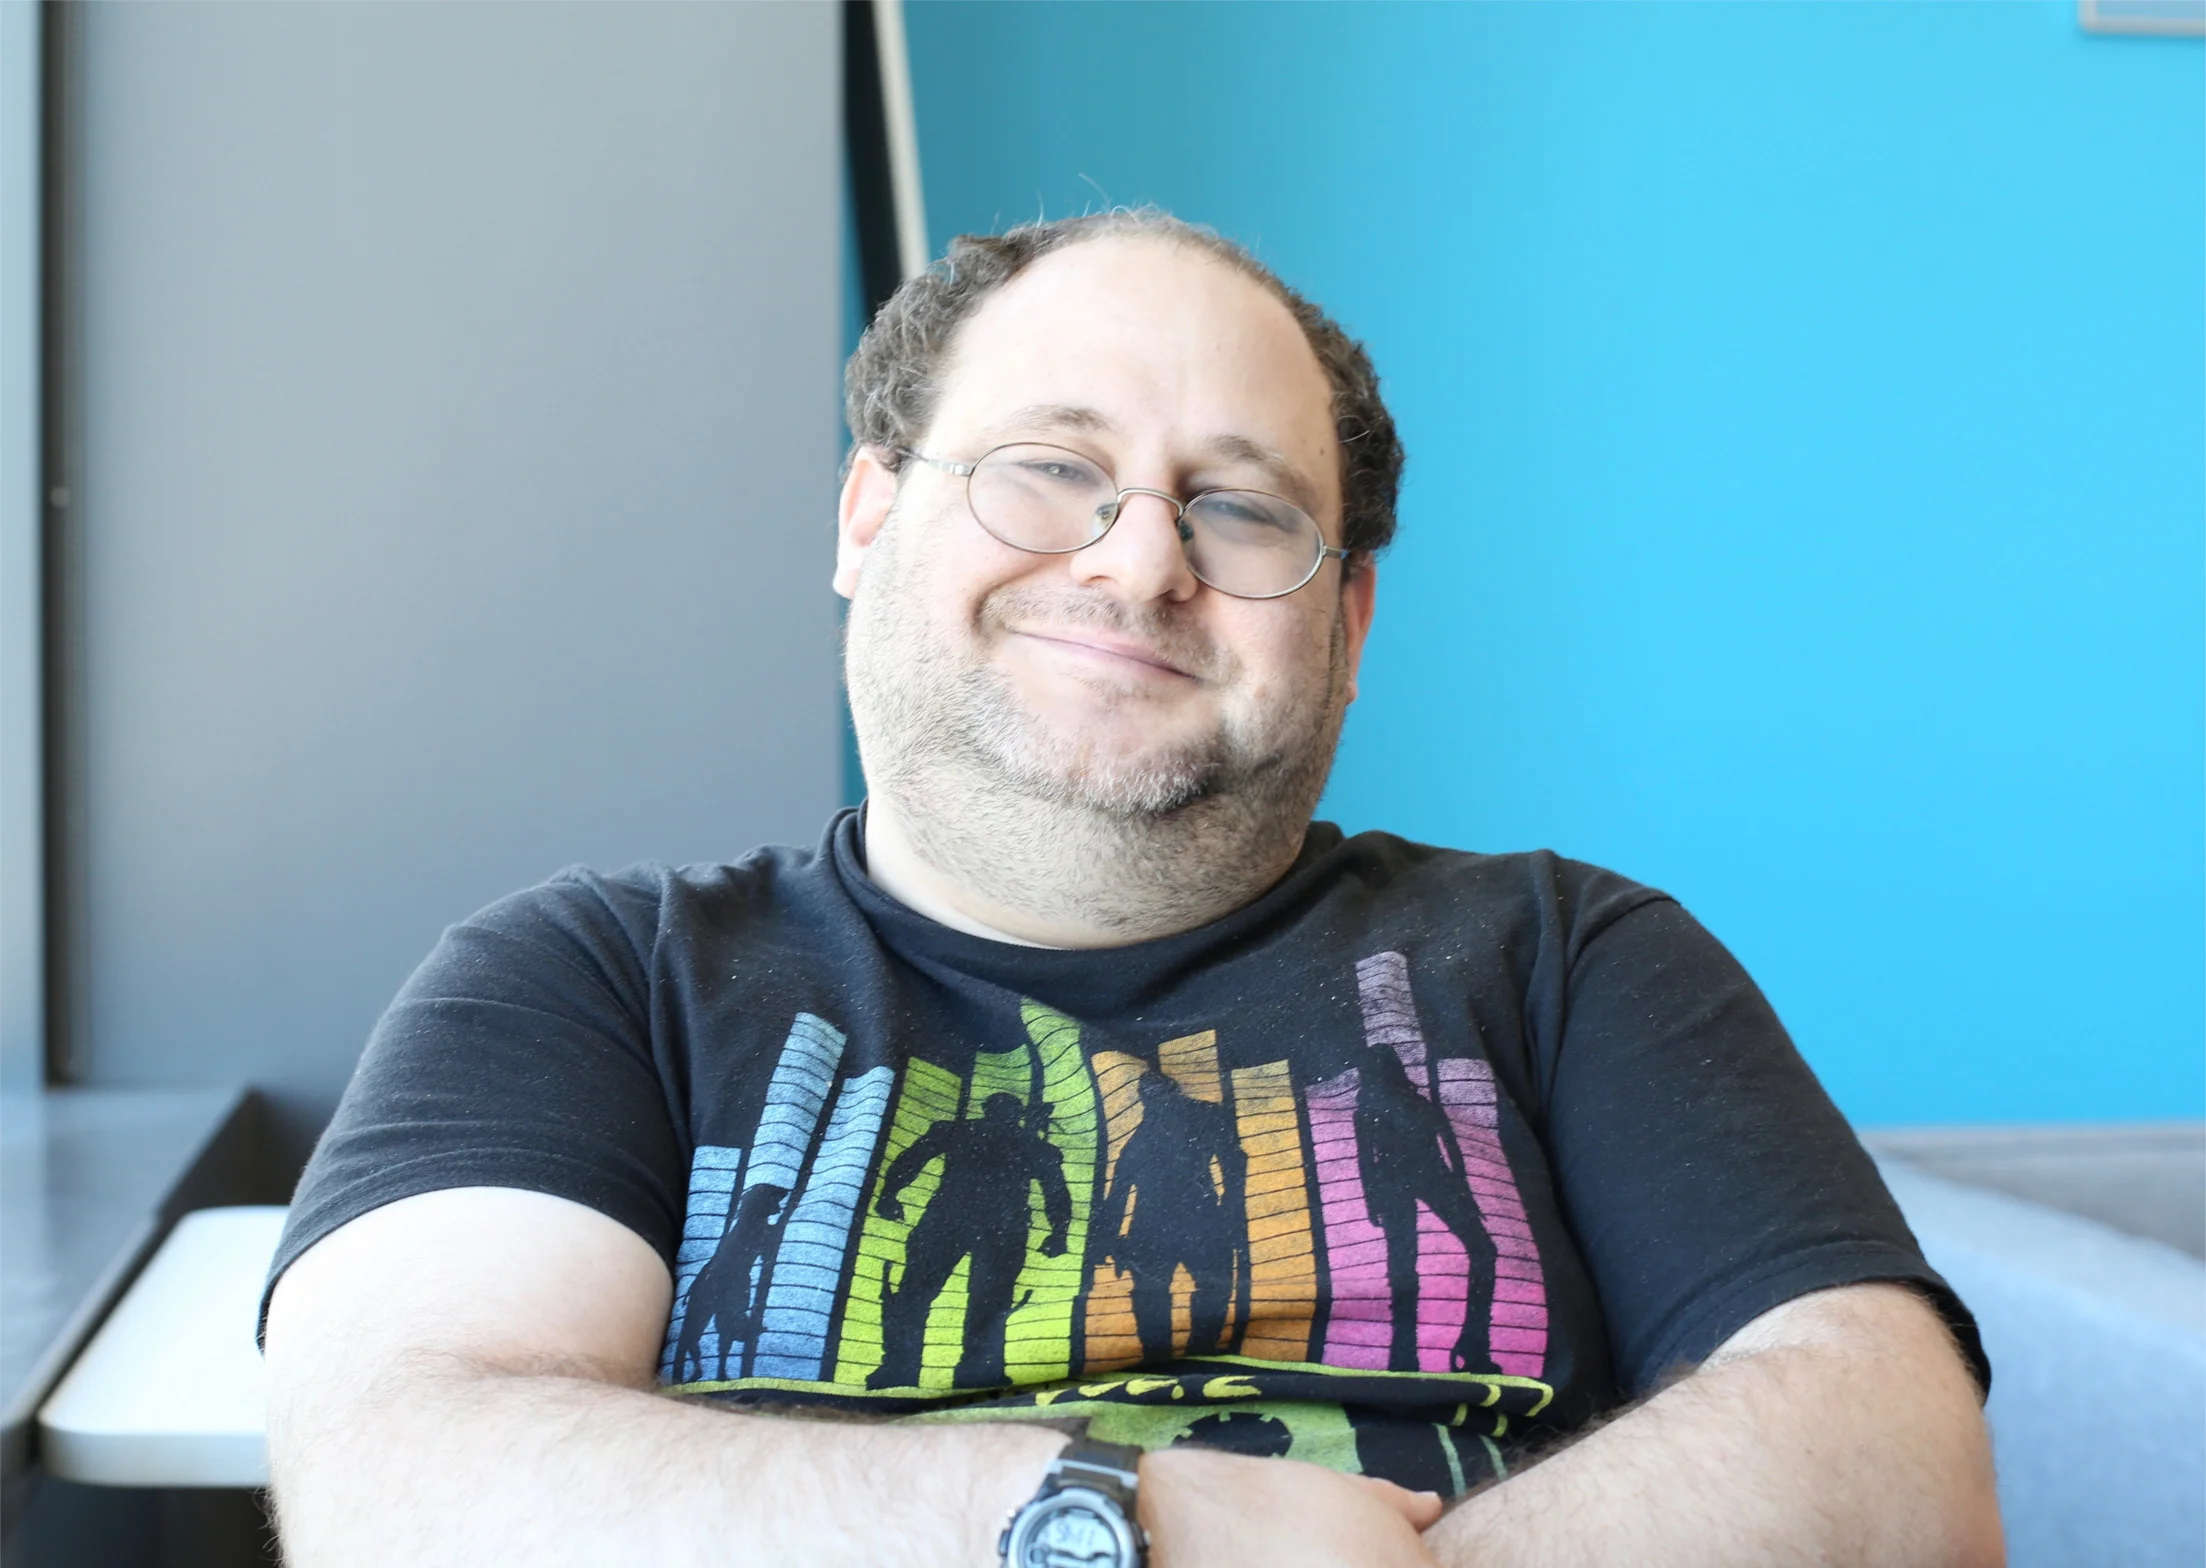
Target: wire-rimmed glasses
x=1050, y=500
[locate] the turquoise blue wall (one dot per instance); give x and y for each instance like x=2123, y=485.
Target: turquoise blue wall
x=1805, y=505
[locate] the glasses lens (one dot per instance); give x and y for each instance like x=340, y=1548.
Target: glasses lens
x=1041, y=498
x=1252, y=544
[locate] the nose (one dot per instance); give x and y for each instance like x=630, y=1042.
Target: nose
x=1143, y=554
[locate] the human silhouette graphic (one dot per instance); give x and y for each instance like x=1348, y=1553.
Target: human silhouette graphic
x=979, y=1211
x=1409, y=1156
x=722, y=1291
x=1175, y=1202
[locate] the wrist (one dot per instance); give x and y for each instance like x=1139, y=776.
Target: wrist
x=1003, y=1479
x=1178, y=1488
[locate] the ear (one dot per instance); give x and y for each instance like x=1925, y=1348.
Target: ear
x=868, y=491
x=1359, y=601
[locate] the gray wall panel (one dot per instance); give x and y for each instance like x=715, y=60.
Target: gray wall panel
x=22, y=821
x=458, y=455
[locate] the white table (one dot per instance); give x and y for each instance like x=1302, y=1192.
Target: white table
x=169, y=1392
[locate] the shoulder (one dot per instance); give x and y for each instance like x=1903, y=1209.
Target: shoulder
x=617, y=921
x=1535, y=893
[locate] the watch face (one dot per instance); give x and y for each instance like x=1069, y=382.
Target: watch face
x=1074, y=1529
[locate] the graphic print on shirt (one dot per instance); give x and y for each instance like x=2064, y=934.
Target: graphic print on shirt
x=765, y=1272
x=1170, y=1253
x=1470, y=1223
x=968, y=1268
x=1050, y=1212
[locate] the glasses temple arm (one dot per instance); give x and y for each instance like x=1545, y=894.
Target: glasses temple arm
x=962, y=470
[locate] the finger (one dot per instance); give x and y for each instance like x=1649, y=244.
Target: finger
x=1421, y=1509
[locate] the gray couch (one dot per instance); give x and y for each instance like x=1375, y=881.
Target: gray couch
x=2079, y=1250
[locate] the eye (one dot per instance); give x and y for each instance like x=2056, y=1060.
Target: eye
x=1248, y=513
x=1048, y=468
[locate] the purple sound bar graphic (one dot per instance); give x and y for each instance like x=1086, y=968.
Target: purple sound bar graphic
x=1517, y=1337
x=1466, y=1092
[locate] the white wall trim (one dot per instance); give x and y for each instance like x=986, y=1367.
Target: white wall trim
x=912, y=250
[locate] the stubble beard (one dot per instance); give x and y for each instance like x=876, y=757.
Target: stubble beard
x=1138, y=841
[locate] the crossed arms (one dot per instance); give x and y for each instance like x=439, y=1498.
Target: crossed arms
x=463, y=1377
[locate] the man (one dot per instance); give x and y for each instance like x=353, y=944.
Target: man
x=1108, y=535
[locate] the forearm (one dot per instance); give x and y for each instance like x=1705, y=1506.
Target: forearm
x=1816, y=1452
x=463, y=1465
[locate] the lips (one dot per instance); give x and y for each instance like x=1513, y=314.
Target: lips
x=1104, y=631
x=1102, y=643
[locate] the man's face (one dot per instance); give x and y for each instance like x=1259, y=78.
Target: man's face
x=1110, y=676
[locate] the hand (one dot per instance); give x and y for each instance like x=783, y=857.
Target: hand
x=1207, y=1509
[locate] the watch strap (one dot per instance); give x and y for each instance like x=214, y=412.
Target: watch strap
x=1109, y=1468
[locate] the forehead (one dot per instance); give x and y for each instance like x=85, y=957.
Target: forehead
x=1169, y=345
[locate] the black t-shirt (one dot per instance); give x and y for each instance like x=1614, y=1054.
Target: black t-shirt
x=1418, y=1156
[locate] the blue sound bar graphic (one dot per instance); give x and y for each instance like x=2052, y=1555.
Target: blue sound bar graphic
x=800, y=1298
x=801, y=1080
x=712, y=1176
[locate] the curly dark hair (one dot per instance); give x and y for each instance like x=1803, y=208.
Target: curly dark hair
x=893, y=381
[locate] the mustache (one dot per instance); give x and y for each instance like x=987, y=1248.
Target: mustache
x=1179, y=642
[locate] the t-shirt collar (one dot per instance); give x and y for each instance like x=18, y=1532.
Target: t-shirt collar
x=1135, y=967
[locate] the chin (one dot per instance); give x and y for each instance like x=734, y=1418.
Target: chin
x=1148, y=781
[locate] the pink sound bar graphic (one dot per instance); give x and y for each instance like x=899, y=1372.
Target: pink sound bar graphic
x=1360, y=1330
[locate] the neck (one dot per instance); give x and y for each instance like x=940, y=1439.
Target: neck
x=1038, y=877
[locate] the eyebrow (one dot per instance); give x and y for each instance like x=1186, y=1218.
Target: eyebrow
x=1044, y=418
x=1041, y=418
x=1239, y=449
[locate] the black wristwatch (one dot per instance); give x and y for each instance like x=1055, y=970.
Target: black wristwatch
x=1083, y=1516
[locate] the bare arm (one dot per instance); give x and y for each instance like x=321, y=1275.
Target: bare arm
x=1840, y=1428
x=463, y=1378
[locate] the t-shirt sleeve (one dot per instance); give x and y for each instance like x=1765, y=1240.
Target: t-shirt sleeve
x=1705, y=1173
x=517, y=1055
